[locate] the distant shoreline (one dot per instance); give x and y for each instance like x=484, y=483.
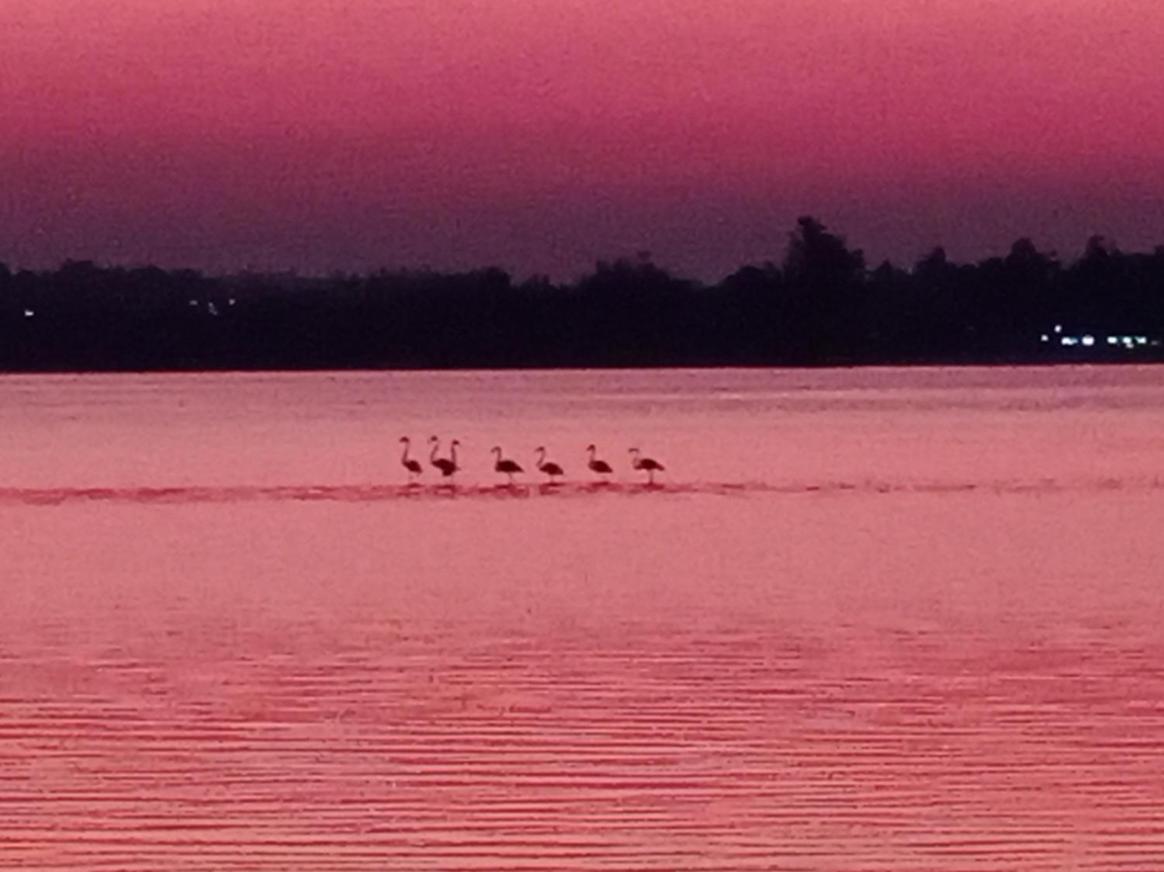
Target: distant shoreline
x=823, y=306
x=1028, y=363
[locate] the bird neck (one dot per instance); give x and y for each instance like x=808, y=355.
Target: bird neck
x=404, y=456
x=432, y=454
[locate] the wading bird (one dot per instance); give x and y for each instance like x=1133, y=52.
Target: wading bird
x=551, y=469
x=413, y=466
x=651, y=466
x=447, y=465
x=599, y=466
x=505, y=465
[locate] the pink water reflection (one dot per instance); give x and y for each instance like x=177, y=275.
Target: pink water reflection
x=869, y=624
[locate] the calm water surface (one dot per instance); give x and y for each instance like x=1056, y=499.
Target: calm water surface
x=873, y=620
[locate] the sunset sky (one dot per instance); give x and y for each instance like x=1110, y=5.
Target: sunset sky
x=540, y=135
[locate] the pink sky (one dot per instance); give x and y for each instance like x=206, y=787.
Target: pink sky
x=543, y=134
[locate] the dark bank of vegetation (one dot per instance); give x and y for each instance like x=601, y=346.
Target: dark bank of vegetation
x=822, y=305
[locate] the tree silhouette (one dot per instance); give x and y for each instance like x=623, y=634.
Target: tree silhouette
x=825, y=279
x=820, y=306
x=820, y=259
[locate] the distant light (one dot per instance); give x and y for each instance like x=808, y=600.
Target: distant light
x=212, y=308
x=1089, y=341
x=231, y=301
x=192, y=303
x=1058, y=328
x=28, y=313
x=1141, y=340
x=1069, y=340
x=1044, y=338
x=1113, y=340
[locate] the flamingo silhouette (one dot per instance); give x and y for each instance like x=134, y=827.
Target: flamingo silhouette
x=413, y=466
x=645, y=463
x=599, y=466
x=504, y=465
x=447, y=465
x=551, y=469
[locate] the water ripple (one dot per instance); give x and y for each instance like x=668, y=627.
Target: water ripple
x=370, y=493
x=731, y=752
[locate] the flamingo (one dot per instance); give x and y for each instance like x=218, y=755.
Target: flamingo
x=651, y=466
x=413, y=466
x=551, y=469
x=447, y=465
x=504, y=465
x=599, y=466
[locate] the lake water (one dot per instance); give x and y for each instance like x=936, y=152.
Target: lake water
x=871, y=620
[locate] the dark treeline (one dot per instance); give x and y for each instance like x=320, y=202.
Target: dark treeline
x=821, y=304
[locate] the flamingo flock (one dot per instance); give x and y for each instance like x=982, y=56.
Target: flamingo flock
x=449, y=466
